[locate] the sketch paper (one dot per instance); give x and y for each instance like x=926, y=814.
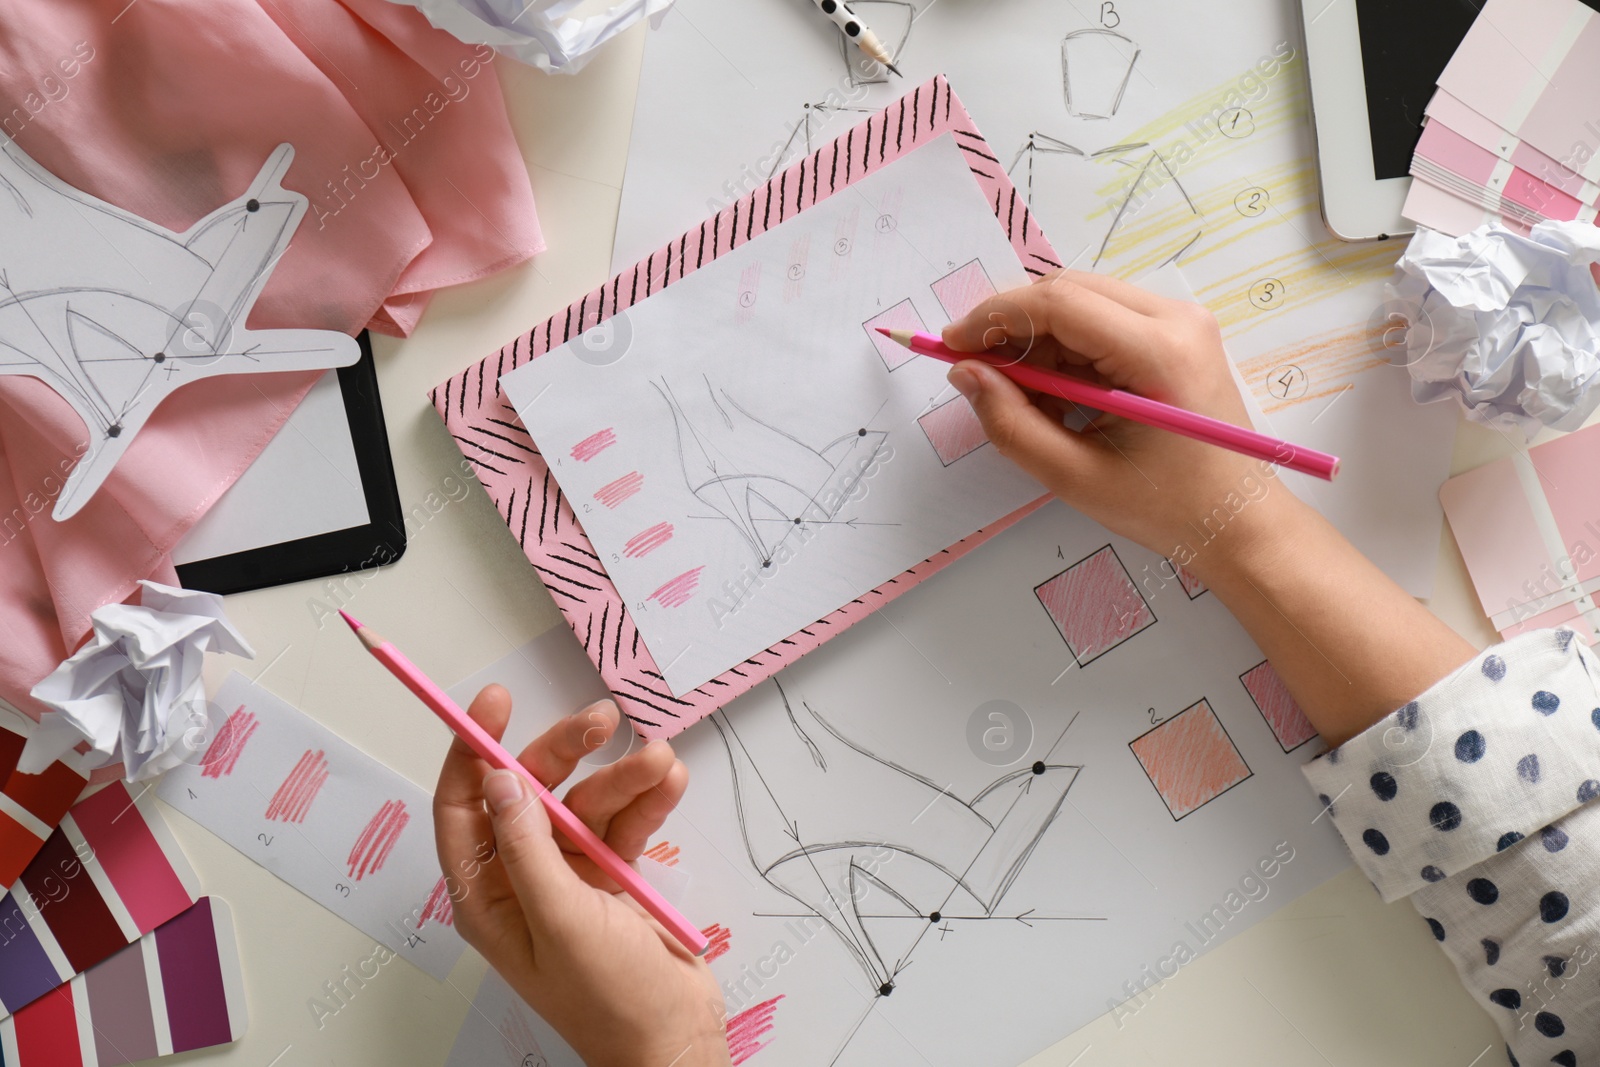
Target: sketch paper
x=1136, y=135
x=755, y=414
x=114, y=312
x=325, y=817
x=967, y=827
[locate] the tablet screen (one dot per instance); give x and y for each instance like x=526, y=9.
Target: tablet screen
x=1405, y=45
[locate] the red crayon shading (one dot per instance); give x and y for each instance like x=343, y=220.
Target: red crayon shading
x=225, y=750
x=664, y=853
x=293, y=799
x=677, y=592
x=642, y=544
x=593, y=445
x=746, y=1030
x=613, y=493
x=438, y=906
x=373, y=846
x=721, y=940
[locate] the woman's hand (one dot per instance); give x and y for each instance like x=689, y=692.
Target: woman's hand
x=1154, y=487
x=617, y=987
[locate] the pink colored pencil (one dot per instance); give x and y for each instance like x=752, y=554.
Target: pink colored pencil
x=1130, y=406
x=561, y=817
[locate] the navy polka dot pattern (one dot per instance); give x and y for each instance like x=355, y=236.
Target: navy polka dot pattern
x=1445, y=816
x=1483, y=812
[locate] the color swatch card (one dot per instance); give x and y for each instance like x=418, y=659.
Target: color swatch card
x=1511, y=133
x=1529, y=531
x=1532, y=67
x=110, y=873
x=759, y=456
x=325, y=817
x=30, y=805
x=174, y=990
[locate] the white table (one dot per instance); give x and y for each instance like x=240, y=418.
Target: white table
x=1335, y=978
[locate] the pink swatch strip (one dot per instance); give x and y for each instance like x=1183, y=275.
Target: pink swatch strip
x=721, y=940
x=642, y=544
x=677, y=592
x=293, y=798
x=225, y=750
x=373, y=846
x=438, y=906
x=593, y=445
x=747, y=1029
x=613, y=493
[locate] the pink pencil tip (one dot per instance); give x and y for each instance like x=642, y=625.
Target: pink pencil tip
x=351, y=619
x=885, y=332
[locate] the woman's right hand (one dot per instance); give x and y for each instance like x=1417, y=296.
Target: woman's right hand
x=1151, y=486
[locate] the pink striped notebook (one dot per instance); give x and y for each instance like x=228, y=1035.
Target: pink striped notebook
x=489, y=434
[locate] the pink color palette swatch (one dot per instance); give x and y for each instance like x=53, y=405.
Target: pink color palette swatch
x=1529, y=531
x=174, y=990
x=1512, y=132
x=109, y=874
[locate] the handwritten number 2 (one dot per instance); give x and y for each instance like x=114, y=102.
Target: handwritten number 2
x=265, y=839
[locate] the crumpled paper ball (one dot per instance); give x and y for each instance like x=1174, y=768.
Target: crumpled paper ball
x=1507, y=324
x=134, y=690
x=540, y=33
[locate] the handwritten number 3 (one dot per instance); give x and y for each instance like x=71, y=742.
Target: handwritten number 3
x=1109, y=18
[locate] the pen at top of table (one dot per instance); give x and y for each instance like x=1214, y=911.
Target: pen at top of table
x=561, y=817
x=851, y=25
x=1131, y=406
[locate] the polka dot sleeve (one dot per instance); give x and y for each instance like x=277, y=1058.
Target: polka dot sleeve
x=1496, y=752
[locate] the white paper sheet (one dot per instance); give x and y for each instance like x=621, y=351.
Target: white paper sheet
x=886, y=735
x=1206, y=155
x=304, y=483
x=502, y=1031
x=798, y=459
x=325, y=817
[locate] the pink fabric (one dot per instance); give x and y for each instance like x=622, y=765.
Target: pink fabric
x=168, y=108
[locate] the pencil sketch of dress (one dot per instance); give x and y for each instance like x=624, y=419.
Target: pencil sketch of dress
x=114, y=312
x=762, y=479
x=854, y=837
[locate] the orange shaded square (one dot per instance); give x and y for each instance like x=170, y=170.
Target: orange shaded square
x=1190, y=759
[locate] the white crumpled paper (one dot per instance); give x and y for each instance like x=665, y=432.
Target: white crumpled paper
x=134, y=691
x=540, y=33
x=1507, y=324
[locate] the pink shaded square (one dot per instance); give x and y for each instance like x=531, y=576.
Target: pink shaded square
x=1288, y=723
x=1095, y=605
x=1190, y=759
x=1192, y=586
x=903, y=316
x=963, y=289
x=953, y=430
